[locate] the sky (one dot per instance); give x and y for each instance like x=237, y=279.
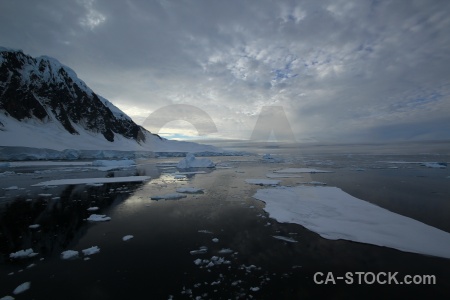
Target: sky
x=323, y=71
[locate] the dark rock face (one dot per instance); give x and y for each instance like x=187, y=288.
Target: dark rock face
x=44, y=89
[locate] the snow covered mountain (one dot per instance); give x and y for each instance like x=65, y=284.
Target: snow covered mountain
x=43, y=104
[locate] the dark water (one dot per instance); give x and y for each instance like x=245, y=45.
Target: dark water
x=157, y=263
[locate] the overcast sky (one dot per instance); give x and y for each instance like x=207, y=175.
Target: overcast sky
x=340, y=70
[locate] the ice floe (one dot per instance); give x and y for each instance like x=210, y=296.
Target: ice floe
x=22, y=288
x=69, y=254
x=190, y=161
x=436, y=165
x=215, y=240
x=201, y=250
x=225, y=251
x=334, y=214
x=23, y=253
x=170, y=196
x=93, y=208
x=285, y=238
x=34, y=226
x=7, y=298
x=90, y=251
x=301, y=170
x=281, y=175
x=98, y=218
x=127, y=237
x=11, y=188
x=190, y=190
x=93, y=180
x=262, y=181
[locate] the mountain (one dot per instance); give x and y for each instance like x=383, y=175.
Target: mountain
x=43, y=104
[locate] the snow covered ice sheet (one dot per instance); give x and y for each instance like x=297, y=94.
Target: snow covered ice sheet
x=93, y=180
x=334, y=214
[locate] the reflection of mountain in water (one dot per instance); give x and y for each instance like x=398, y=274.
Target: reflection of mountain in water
x=62, y=221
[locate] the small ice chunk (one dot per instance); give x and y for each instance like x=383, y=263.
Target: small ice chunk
x=91, y=250
x=21, y=288
x=23, y=253
x=284, y=238
x=93, y=208
x=127, y=237
x=190, y=190
x=254, y=289
x=98, y=218
x=34, y=226
x=94, y=184
x=69, y=254
x=7, y=298
x=45, y=195
x=198, y=261
x=262, y=181
x=437, y=165
x=205, y=231
x=215, y=240
x=171, y=196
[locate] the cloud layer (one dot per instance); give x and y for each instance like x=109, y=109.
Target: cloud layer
x=341, y=70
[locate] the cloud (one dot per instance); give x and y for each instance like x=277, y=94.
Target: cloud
x=341, y=70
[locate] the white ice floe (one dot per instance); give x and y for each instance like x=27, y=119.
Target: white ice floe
x=171, y=196
x=91, y=250
x=201, y=250
x=93, y=208
x=127, y=237
x=11, y=188
x=98, y=218
x=7, y=298
x=93, y=180
x=215, y=240
x=285, y=238
x=254, y=289
x=225, y=251
x=23, y=253
x=69, y=254
x=34, y=226
x=434, y=165
x=205, y=231
x=301, y=170
x=22, y=288
x=190, y=190
x=281, y=175
x=334, y=214
x=262, y=181
x=191, y=162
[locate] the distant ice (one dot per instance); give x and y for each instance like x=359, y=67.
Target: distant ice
x=93, y=208
x=225, y=251
x=201, y=250
x=94, y=184
x=4, y=165
x=301, y=170
x=205, y=231
x=34, y=226
x=281, y=175
x=284, y=238
x=69, y=254
x=23, y=253
x=127, y=237
x=254, y=289
x=114, y=163
x=171, y=196
x=7, y=298
x=189, y=173
x=190, y=161
x=334, y=214
x=436, y=165
x=91, y=250
x=93, y=180
x=14, y=187
x=190, y=190
x=215, y=240
x=21, y=288
x=98, y=218
x=262, y=181
x=272, y=159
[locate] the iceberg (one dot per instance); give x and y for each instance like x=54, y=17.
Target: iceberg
x=334, y=214
x=191, y=162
